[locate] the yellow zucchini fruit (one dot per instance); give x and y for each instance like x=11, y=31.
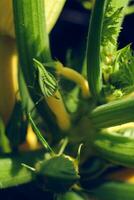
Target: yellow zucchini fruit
x=6, y=18
x=56, y=105
x=31, y=141
x=8, y=76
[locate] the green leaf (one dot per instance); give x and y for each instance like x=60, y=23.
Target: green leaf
x=112, y=23
x=113, y=17
x=94, y=73
x=123, y=75
x=59, y=173
x=12, y=173
x=39, y=135
x=47, y=82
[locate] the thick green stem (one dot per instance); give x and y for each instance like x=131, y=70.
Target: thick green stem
x=114, y=113
x=32, y=37
x=33, y=42
x=93, y=48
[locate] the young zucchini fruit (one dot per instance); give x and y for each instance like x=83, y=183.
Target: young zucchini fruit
x=112, y=114
x=8, y=79
x=114, y=191
x=115, y=147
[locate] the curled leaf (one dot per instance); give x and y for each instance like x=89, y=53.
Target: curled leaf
x=47, y=82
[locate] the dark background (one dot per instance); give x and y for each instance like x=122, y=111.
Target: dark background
x=72, y=26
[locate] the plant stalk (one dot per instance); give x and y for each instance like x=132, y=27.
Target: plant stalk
x=94, y=72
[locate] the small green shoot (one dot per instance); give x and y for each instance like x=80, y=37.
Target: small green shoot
x=39, y=135
x=79, y=153
x=63, y=146
x=28, y=167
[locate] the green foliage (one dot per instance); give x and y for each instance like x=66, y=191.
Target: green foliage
x=13, y=173
x=113, y=18
x=47, y=82
x=123, y=75
x=58, y=173
x=111, y=26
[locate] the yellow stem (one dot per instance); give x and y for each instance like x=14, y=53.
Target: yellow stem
x=74, y=76
x=56, y=105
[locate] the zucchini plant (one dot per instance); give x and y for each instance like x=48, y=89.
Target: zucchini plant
x=69, y=141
